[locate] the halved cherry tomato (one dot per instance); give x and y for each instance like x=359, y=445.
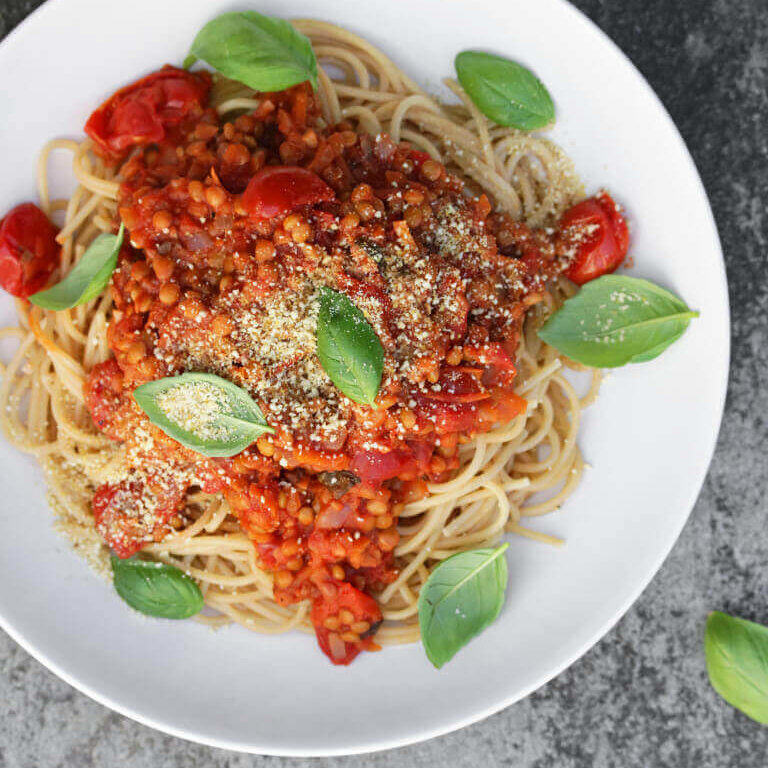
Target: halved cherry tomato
x=28, y=250
x=279, y=189
x=595, y=235
x=142, y=112
x=361, y=606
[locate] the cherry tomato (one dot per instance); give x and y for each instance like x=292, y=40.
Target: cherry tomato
x=595, y=235
x=361, y=606
x=142, y=112
x=279, y=189
x=103, y=388
x=28, y=250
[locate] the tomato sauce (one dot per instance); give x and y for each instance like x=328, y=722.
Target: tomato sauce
x=234, y=227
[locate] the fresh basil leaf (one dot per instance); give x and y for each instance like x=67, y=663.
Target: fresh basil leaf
x=203, y=412
x=349, y=349
x=89, y=277
x=616, y=320
x=737, y=662
x=264, y=53
x=156, y=589
x=505, y=91
x=462, y=597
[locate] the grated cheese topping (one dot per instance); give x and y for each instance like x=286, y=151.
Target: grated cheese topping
x=195, y=406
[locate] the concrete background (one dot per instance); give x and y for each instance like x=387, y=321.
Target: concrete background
x=641, y=697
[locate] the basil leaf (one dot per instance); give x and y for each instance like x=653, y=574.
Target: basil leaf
x=156, y=589
x=89, y=277
x=462, y=597
x=264, y=53
x=349, y=349
x=505, y=91
x=203, y=412
x=737, y=662
x=616, y=320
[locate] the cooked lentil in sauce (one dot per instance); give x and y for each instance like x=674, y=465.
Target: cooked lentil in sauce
x=234, y=229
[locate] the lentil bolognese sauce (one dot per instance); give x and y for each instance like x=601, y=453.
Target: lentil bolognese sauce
x=452, y=236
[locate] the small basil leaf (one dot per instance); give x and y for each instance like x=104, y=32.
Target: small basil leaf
x=737, y=662
x=203, y=412
x=348, y=348
x=505, y=91
x=264, y=53
x=462, y=597
x=89, y=277
x=156, y=589
x=616, y=320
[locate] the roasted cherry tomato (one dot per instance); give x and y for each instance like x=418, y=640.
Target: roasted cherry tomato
x=333, y=611
x=595, y=235
x=28, y=250
x=279, y=189
x=141, y=113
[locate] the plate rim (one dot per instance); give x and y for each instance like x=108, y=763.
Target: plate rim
x=454, y=724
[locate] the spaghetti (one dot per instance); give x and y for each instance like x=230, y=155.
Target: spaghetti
x=503, y=474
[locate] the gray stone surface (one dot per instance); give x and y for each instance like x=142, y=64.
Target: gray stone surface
x=641, y=697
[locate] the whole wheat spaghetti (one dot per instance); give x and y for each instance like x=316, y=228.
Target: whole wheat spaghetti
x=521, y=469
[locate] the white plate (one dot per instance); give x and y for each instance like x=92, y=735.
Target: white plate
x=649, y=438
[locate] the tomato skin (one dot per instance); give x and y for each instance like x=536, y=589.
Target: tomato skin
x=596, y=233
x=142, y=112
x=28, y=250
x=363, y=608
x=279, y=189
